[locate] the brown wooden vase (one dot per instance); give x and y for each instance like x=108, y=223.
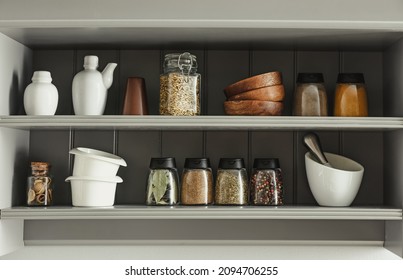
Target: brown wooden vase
x=135, y=101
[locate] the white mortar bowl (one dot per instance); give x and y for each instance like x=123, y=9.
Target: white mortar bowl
x=337, y=185
x=91, y=191
x=95, y=163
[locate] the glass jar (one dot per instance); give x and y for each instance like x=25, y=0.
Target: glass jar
x=180, y=85
x=232, y=182
x=310, y=97
x=40, y=191
x=350, y=96
x=197, y=182
x=163, y=182
x=266, y=183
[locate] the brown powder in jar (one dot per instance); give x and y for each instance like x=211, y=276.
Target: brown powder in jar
x=310, y=100
x=197, y=187
x=351, y=100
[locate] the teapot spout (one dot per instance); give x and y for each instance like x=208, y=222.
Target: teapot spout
x=107, y=74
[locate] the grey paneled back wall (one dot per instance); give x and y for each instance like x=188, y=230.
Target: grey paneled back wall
x=218, y=68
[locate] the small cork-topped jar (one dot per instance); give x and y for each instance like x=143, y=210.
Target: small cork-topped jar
x=232, y=182
x=40, y=191
x=197, y=182
x=350, y=96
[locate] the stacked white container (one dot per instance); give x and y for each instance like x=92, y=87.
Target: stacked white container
x=94, y=177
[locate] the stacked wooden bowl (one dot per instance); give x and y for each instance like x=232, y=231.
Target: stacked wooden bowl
x=260, y=95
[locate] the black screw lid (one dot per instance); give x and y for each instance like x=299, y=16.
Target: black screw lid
x=163, y=163
x=310, y=78
x=197, y=163
x=266, y=163
x=350, y=78
x=231, y=163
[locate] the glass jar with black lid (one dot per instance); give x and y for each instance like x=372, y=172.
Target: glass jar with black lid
x=310, y=98
x=232, y=182
x=266, y=182
x=197, y=182
x=163, y=182
x=350, y=99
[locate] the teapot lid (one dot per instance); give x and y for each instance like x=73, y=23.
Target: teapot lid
x=91, y=61
x=41, y=76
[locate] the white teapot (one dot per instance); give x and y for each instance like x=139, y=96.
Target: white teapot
x=90, y=87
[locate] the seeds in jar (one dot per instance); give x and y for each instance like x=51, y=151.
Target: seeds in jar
x=197, y=187
x=231, y=187
x=180, y=94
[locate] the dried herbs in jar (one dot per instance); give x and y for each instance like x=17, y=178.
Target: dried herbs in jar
x=162, y=186
x=232, y=182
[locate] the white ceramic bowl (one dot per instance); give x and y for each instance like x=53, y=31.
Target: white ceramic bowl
x=95, y=163
x=90, y=191
x=337, y=185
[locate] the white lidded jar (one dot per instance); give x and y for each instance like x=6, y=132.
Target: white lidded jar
x=90, y=87
x=41, y=96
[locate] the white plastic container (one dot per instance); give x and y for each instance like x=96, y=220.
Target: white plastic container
x=337, y=185
x=94, y=192
x=95, y=163
x=41, y=96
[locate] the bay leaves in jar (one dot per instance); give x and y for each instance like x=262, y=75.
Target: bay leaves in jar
x=159, y=182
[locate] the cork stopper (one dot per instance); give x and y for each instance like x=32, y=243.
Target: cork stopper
x=39, y=168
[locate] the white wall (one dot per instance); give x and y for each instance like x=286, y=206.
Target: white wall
x=393, y=148
x=15, y=63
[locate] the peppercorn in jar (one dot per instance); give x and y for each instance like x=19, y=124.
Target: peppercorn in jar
x=266, y=183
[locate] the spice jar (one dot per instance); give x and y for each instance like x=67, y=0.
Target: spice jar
x=197, y=182
x=180, y=86
x=40, y=192
x=232, y=182
x=266, y=183
x=350, y=96
x=310, y=97
x=163, y=182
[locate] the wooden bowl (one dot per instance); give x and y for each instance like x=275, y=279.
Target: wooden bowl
x=253, y=108
x=272, y=93
x=255, y=82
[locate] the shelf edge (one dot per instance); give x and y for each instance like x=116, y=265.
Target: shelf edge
x=298, y=213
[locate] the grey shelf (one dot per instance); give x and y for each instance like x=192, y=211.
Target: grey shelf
x=203, y=212
x=256, y=23
x=156, y=122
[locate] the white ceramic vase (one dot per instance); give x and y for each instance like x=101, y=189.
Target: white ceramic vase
x=41, y=96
